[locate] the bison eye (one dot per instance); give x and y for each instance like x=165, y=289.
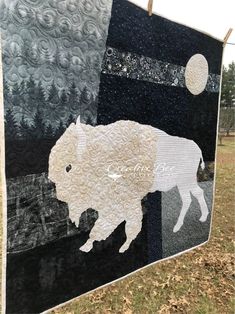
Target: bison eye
x=68, y=168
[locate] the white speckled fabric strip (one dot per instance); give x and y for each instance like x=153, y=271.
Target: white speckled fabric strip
x=137, y=67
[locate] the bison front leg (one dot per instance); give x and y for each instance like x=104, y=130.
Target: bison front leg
x=133, y=227
x=75, y=212
x=103, y=227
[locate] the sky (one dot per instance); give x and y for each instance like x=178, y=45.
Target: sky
x=213, y=17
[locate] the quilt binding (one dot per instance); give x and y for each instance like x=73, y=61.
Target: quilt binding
x=4, y=187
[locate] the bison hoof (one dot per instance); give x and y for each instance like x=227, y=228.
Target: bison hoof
x=204, y=217
x=177, y=227
x=87, y=246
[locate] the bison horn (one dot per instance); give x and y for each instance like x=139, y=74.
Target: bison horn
x=81, y=146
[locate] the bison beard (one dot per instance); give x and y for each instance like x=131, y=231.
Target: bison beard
x=111, y=168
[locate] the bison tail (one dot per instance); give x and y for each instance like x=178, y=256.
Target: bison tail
x=202, y=165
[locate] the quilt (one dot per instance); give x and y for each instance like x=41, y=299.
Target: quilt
x=109, y=129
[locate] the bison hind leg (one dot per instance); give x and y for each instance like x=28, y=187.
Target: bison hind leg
x=186, y=200
x=198, y=193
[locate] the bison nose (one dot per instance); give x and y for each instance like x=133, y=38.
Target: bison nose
x=50, y=179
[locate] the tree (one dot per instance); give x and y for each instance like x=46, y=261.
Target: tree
x=70, y=120
x=86, y=103
x=31, y=97
x=39, y=95
x=31, y=86
x=63, y=98
x=26, y=50
x=89, y=120
x=86, y=97
x=24, y=129
x=73, y=101
x=38, y=125
x=11, y=129
x=53, y=95
x=227, y=120
x=60, y=130
x=228, y=86
x=22, y=88
x=16, y=94
x=7, y=96
x=49, y=132
x=22, y=95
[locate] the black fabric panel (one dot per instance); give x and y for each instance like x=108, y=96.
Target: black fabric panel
x=171, y=109
x=131, y=29
x=27, y=157
x=48, y=275
x=152, y=203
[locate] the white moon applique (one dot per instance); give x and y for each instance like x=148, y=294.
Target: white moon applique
x=196, y=74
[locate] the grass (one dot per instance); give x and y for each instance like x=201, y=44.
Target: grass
x=198, y=282
x=205, y=306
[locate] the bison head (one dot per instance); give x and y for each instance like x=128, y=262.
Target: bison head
x=65, y=162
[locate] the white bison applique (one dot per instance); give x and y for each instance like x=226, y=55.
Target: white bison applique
x=110, y=168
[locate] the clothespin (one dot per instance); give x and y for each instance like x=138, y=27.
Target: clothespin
x=150, y=7
x=227, y=36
